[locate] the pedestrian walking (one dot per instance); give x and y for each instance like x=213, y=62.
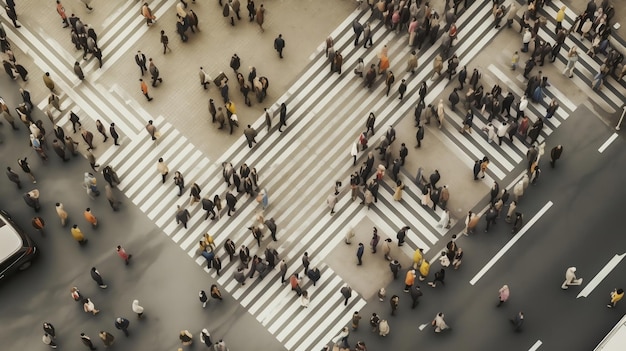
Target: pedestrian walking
x=123, y=255
x=47, y=340
x=401, y=235
x=439, y=323
x=140, y=59
x=279, y=45
x=95, y=275
x=572, y=58
x=48, y=328
x=205, y=338
x=137, y=308
x=389, y=80
x=186, y=338
x=283, y=117
x=439, y=277
x=616, y=296
x=394, y=301
x=144, y=91
x=90, y=217
x=374, y=321
x=146, y=12
x=182, y=216
x=402, y=89
x=503, y=295
x=122, y=324
x=32, y=199
x=86, y=340
x=111, y=198
x=154, y=72
x=14, y=177
x=260, y=17
x=23, y=163
x=78, y=71
x=387, y=249
x=341, y=340
x=89, y=307
x=107, y=338
x=101, y=130
x=359, y=254
x=346, y=291
x=519, y=222
x=162, y=169
x=555, y=154
x=409, y=279
x=203, y=298
x=395, y=268
x=215, y=292
x=570, y=278
x=356, y=317
x=78, y=235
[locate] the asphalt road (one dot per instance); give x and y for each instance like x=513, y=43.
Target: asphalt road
x=162, y=277
x=581, y=229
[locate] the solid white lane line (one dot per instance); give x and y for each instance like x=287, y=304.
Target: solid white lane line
x=511, y=242
x=607, y=143
x=593, y=283
x=535, y=346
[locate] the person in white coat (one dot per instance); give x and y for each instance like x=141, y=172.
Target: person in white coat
x=572, y=58
x=570, y=278
x=137, y=309
x=439, y=323
x=354, y=151
x=383, y=327
x=440, y=113
x=304, y=299
x=444, y=222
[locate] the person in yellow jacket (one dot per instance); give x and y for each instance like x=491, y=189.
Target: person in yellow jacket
x=616, y=295
x=560, y=16
x=417, y=258
x=424, y=269
x=77, y=234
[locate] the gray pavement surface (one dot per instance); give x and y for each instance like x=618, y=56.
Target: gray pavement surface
x=298, y=167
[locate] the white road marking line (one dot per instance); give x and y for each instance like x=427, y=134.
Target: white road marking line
x=593, y=283
x=511, y=242
x=607, y=143
x=535, y=346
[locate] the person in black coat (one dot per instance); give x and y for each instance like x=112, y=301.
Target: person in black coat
x=490, y=217
x=283, y=116
x=208, y=206
x=271, y=226
x=314, y=274
x=95, y=275
x=419, y=136
x=231, y=202
x=122, y=324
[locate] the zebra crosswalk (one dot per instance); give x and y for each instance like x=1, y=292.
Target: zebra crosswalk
x=611, y=96
x=297, y=167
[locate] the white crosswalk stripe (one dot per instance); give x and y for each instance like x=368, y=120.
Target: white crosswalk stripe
x=297, y=167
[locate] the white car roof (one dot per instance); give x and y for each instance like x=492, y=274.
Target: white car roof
x=10, y=240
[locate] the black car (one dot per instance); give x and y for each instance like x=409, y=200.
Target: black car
x=17, y=250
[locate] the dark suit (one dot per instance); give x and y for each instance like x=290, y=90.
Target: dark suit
x=141, y=62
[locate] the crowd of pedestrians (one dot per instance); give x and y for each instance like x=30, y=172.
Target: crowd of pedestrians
x=423, y=25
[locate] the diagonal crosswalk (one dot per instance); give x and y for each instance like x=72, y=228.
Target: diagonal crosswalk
x=610, y=97
x=297, y=167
